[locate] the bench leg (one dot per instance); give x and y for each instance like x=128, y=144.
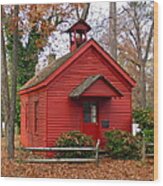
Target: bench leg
x=97, y=157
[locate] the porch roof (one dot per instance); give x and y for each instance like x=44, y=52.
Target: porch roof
x=81, y=89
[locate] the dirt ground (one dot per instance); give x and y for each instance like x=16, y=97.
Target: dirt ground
x=108, y=168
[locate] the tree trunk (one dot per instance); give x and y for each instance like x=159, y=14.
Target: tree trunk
x=4, y=76
x=113, y=30
x=11, y=124
x=85, y=11
x=143, y=62
x=2, y=135
x=143, y=84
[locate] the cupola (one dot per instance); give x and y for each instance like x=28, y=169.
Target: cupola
x=78, y=34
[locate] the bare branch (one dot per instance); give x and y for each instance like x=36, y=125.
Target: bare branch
x=85, y=11
x=133, y=62
x=149, y=42
x=134, y=38
x=135, y=21
x=77, y=12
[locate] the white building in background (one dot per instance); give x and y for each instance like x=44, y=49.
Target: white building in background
x=135, y=129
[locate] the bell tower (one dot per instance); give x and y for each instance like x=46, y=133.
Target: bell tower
x=78, y=34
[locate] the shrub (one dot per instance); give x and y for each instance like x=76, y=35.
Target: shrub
x=74, y=139
x=144, y=118
x=149, y=135
x=149, y=138
x=122, y=145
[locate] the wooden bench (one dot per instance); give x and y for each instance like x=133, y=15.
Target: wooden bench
x=144, y=147
x=52, y=160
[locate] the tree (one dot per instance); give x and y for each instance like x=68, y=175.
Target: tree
x=134, y=38
x=113, y=30
x=11, y=123
x=5, y=89
x=136, y=35
x=85, y=11
x=42, y=21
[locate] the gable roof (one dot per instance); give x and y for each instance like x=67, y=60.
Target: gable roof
x=78, y=24
x=56, y=67
x=45, y=72
x=80, y=89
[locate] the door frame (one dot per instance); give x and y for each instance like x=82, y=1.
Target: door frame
x=91, y=100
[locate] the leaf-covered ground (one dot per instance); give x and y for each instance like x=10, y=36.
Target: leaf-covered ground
x=108, y=168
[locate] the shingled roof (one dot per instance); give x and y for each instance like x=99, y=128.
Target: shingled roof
x=80, y=89
x=48, y=70
x=74, y=26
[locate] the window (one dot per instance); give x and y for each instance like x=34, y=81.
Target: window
x=35, y=116
x=90, y=112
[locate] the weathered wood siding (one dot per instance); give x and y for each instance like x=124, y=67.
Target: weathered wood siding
x=30, y=136
x=64, y=114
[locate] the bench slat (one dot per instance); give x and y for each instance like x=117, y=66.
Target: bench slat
x=149, y=144
x=149, y=155
x=59, y=148
x=59, y=160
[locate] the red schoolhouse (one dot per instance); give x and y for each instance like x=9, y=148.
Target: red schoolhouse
x=84, y=90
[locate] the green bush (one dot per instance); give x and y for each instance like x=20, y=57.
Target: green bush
x=122, y=145
x=149, y=138
x=149, y=135
x=144, y=118
x=74, y=139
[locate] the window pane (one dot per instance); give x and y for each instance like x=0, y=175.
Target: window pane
x=93, y=119
x=90, y=112
x=93, y=113
x=87, y=118
x=86, y=107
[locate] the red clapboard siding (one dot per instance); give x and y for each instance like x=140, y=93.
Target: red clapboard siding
x=30, y=137
x=65, y=114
